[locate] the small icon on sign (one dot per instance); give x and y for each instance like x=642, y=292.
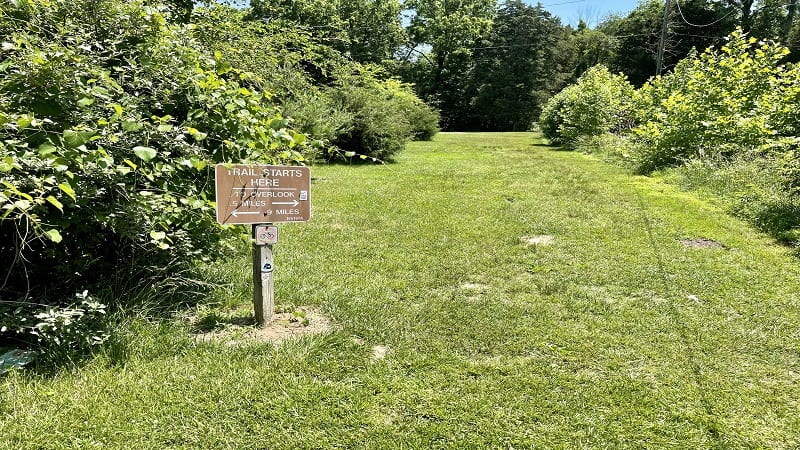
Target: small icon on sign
x=303, y=195
x=266, y=235
x=267, y=268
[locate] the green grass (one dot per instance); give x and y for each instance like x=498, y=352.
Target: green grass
x=614, y=336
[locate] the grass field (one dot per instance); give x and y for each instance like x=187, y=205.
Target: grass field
x=525, y=298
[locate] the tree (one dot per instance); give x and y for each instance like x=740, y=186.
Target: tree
x=519, y=65
x=591, y=47
x=369, y=31
x=693, y=24
x=450, y=29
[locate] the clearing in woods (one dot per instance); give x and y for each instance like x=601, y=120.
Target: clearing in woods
x=485, y=291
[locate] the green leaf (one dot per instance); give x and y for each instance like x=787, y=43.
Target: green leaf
x=299, y=138
x=158, y=235
x=24, y=121
x=46, y=149
x=67, y=189
x=277, y=124
x=131, y=125
x=75, y=139
x=196, y=134
x=6, y=164
x=86, y=101
x=198, y=163
x=145, y=153
x=54, y=201
x=53, y=235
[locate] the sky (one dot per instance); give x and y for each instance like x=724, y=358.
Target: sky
x=591, y=11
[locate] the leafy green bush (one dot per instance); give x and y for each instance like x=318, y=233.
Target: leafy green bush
x=423, y=119
x=728, y=119
x=718, y=104
x=283, y=59
x=59, y=332
x=336, y=101
x=110, y=123
x=599, y=102
x=385, y=116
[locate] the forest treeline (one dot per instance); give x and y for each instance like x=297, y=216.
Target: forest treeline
x=491, y=65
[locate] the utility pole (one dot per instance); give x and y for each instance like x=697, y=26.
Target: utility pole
x=662, y=41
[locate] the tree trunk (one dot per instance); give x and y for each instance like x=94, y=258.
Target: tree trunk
x=747, y=15
x=787, y=26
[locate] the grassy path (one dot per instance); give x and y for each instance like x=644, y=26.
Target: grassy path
x=615, y=335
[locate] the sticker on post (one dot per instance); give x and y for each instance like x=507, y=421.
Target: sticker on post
x=267, y=267
x=266, y=235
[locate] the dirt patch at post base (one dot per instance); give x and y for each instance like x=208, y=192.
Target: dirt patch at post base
x=284, y=325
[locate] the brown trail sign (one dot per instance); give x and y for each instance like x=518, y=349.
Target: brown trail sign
x=262, y=194
x=257, y=195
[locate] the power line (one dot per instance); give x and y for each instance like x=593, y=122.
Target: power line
x=565, y=3
x=678, y=4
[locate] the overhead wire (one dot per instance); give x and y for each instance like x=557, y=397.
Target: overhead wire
x=565, y=3
x=680, y=11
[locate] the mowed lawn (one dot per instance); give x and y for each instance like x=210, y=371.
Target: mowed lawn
x=486, y=291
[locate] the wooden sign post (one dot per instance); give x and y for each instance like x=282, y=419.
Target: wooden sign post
x=261, y=196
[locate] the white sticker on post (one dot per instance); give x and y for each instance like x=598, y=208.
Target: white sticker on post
x=266, y=234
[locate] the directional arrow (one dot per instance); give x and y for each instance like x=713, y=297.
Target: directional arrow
x=294, y=203
x=237, y=213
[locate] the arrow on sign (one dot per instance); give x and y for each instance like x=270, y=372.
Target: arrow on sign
x=294, y=203
x=237, y=213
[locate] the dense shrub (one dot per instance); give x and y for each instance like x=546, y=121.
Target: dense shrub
x=283, y=59
x=727, y=120
x=718, y=104
x=599, y=102
x=110, y=123
x=59, y=332
x=385, y=116
x=340, y=103
x=423, y=120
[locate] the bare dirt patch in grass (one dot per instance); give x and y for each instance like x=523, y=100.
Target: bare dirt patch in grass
x=242, y=330
x=700, y=243
x=541, y=240
x=379, y=352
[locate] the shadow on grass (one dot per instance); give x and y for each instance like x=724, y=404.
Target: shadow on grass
x=545, y=144
x=217, y=321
